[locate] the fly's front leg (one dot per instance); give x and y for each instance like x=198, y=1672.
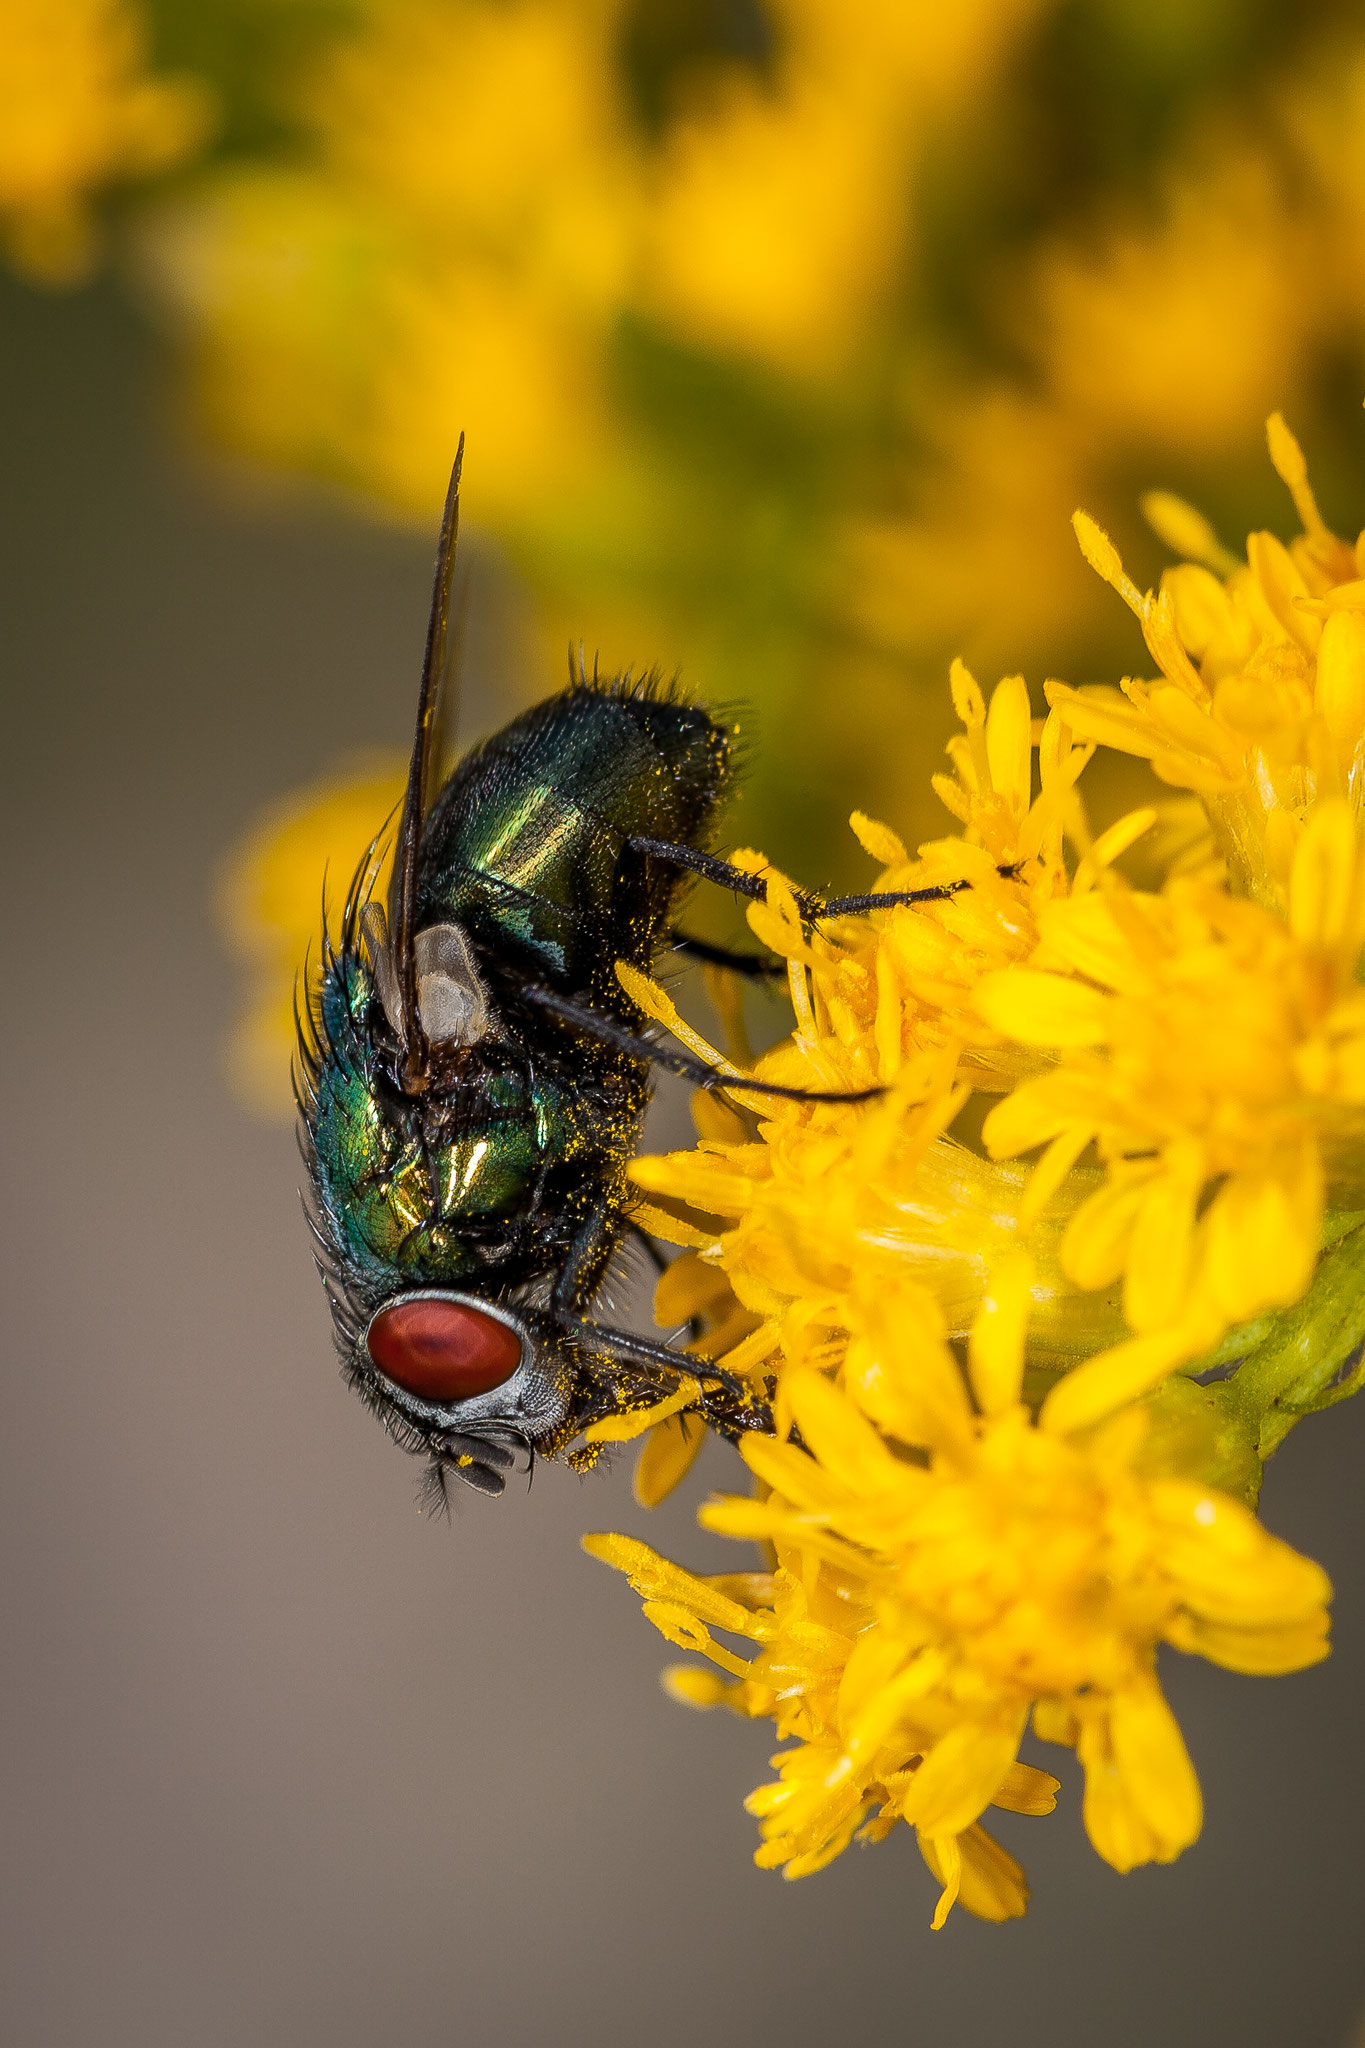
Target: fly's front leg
x=579, y=1280
x=723, y=873
x=812, y=908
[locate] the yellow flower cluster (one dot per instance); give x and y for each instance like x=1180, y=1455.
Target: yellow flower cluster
x=943, y=1570
x=78, y=112
x=997, y=1487
x=483, y=207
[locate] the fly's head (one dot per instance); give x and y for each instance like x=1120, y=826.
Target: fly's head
x=426, y=1210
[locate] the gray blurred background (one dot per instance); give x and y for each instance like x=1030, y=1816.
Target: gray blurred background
x=284, y=1762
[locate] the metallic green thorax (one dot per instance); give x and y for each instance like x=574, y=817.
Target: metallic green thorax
x=524, y=846
x=427, y=1210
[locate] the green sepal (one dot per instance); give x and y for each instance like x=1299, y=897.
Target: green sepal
x=1290, y=1364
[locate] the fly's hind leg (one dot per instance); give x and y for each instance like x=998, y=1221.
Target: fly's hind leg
x=608, y=1032
x=753, y=966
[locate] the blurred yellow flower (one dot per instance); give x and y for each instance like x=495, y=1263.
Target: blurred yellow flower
x=987, y=510
x=79, y=112
x=448, y=263
x=774, y=231
x=1217, y=282
x=301, y=853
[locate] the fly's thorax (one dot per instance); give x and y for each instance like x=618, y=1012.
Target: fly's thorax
x=527, y=846
x=478, y=1182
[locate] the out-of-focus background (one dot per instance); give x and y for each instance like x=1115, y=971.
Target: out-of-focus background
x=786, y=337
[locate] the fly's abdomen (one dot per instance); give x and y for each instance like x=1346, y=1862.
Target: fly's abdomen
x=527, y=845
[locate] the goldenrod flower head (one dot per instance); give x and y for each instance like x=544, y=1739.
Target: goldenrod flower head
x=816, y=1197
x=1215, y=1053
x=1260, y=705
x=79, y=112
x=945, y=1569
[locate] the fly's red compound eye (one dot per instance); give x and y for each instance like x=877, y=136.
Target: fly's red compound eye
x=442, y=1350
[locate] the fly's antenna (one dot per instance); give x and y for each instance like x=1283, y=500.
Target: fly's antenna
x=414, y=1050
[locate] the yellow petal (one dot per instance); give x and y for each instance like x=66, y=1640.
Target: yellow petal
x=1051, y=1170
x=1282, y=585
x=1227, y=1568
x=1026, y=1789
x=1030, y=1116
x=1111, y=846
x=1339, y=691
x=1113, y=1819
x=878, y=840
x=666, y=1457
x=689, y=1287
x=1262, y=1237
x=1154, y=1765
x=995, y=1348
x=658, y=1223
x=1095, y=1244
x=847, y=1445
x=1009, y=750
x=1160, y=1251
x=1259, y=1652
x=718, y=1120
x=1186, y=532
x=944, y=1858
x=793, y=1475
x=1113, y=1378
x=1042, y=1009
x=1055, y=1722
x=1203, y=610
x=1192, y=728
x=1322, y=881
x=992, y=1885
x=691, y=1685
x=623, y=1429
x=960, y=1777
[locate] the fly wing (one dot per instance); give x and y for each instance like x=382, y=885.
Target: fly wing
x=415, y=1052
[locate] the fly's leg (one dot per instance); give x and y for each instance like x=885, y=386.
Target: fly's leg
x=812, y=908
x=722, y=872
x=608, y=1032
x=661, y=1266
x=573, y=1292
x=884, y=899
x=753, y=966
